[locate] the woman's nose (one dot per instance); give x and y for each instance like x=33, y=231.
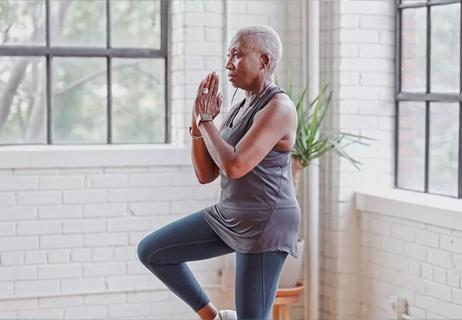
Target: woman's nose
x=229, y=65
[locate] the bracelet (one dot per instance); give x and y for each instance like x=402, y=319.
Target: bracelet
x=193, y=136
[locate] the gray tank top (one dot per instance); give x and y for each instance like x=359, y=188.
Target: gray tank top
x=259, y=211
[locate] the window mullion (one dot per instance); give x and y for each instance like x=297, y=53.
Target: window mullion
x=427, y=103
x=49, y=134
x=459, y=164
x=109, y=74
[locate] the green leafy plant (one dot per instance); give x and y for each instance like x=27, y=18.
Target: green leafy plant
x=312, y=141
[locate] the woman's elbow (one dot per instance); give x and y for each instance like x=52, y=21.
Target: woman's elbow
x=232, y=172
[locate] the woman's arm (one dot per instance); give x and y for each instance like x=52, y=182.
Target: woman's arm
x=270, y=125
x=205, y=168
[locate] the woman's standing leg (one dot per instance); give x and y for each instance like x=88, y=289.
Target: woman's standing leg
x=165, y=251
x=257, y=279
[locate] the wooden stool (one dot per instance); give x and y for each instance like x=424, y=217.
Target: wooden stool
x=284, y=297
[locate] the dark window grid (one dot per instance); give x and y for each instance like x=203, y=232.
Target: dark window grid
x=109, y=53
x=428, y=96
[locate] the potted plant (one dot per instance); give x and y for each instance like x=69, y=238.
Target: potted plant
x=312, y=142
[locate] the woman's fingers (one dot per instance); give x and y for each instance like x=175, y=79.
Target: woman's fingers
x=216, y=84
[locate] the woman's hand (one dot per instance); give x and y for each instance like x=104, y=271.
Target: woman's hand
x=208, y=100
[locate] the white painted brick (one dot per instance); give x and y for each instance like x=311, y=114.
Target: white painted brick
x=61, y=182
x=415, y=252
x=403, y=233
x=149, y=180
x=58, y=256
x=18, y=243
x=203, y=19
x=108, y=181
x=7, y=229
x=361, y=122
x=6, y=199
x=348, y=21
x=41, y=314
x=438, y=291
x=439, y=258
x=82, y=285
x=11, y=183
x=377, y=22
x=426, y=238
x=38, y=197
x=6, y=290
x=104, y=299
x=59, y=212
x=452, y=244
x=414, y=268
x=349, y=50
x=135, y=267
x=18, y=304
x=213, y=34
x=130, y=310
x=60, y=302
x=170, y=193
x=37, y=287
x=132, y=194
x=359, y=36
x=18, y=273
x=61, y=241
x=17, y=213
x=366, y=7
x=84, y=226
x=148, y=296
x=179, y=207
x=104, y=210
x=80, y=254
x=86, y=312
x=12, y=258
x=376, y=79
x=106, y=239
x=349, y=78
x=214, y=6
x=128, y=224
x=125, y=253
x=149, y=208
x=102, y=254
x=60, y=271
x=84, y=196
x=457, y=296
x=439, y=230
x=427, y=271
x=38, y=227
x=130, y=282
x=393, y=246
x=439, y=275
x=35, y=257
x=193, y=6
x=104, y=269
x=453, y=279
x=376, y=51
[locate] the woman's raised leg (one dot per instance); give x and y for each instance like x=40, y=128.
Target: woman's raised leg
x=165, y=253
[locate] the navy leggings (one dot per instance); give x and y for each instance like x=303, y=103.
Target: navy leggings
x=165, y=251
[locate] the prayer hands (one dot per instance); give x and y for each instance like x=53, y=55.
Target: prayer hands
x=208, y=100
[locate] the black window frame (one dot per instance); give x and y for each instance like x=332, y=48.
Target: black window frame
x=426, y=97
x=109, y=53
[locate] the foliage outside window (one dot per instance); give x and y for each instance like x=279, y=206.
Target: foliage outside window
x=428, y=155
x=83, y=72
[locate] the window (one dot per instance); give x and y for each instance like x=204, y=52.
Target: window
x=428, y=134
x=83, y=72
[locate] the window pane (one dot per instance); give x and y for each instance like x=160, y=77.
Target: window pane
x=411, y=146
x=413, y=75
x=79, y=100
x=135, y=24
x=22, y=100
x=22, y=22
x=78, y=23
x=138, y=96
x=445, y=48
x=444, y=142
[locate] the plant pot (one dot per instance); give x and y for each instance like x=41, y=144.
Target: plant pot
x=292, y=268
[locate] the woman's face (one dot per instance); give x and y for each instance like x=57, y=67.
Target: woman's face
x=243, y=64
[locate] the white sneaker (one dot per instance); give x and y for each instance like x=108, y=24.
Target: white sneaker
x=226, y=315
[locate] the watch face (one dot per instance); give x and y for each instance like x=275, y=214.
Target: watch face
x=205, y=116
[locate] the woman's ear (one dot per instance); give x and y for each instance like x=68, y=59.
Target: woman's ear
x=265, y=61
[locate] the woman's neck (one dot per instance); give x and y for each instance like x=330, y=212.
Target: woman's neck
x=259, y=88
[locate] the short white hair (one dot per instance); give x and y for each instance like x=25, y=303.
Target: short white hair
x=266, y=39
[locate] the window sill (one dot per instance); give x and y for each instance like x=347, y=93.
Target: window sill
x=421, y=207
x=66, y=156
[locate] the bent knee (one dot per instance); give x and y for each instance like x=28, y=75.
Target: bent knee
x=144, y=251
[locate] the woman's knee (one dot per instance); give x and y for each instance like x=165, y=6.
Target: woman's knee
x=146, y=250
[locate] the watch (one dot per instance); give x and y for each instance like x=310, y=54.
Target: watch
x=202, y=117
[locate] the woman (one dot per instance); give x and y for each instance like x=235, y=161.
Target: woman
x=257, y=215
